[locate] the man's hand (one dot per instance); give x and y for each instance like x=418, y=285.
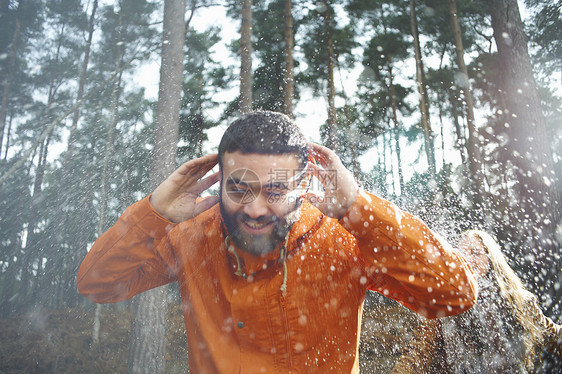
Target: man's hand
x=175, y=198
x=340, y=187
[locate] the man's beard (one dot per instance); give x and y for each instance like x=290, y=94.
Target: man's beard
x=258, y=245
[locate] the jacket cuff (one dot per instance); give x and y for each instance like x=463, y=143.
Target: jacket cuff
x=353, y=220
x=147, y=219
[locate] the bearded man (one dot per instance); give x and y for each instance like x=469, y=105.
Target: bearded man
x=273, y=277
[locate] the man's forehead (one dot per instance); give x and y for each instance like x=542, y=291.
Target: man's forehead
x=271, y=176
x=260, y=163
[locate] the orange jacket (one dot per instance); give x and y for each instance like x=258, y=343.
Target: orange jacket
x=239, y=324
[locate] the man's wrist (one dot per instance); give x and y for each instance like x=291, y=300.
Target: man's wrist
x=157, y=212
x=353, y=216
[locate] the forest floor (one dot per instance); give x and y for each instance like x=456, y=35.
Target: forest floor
x=60, y=341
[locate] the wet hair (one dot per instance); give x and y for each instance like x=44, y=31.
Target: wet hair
x=264, y=132
x=512, y=290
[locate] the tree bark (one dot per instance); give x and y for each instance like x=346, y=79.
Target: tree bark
x=201, y=122
x=537, y=211
x=148, y=337
x=460, y=139
x=166, y=130
x=387, y=159
x=33, y=251
x=351, y=137
x=288, y=79
x=332, y=140
x=8, y=134
x=246, y=58
x=473, y=145
x=27, y=257
x=14, y=265
x=108, y=155
x=422, y=89
x=394, y=106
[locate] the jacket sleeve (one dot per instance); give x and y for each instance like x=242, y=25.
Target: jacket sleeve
x=407, y=262
x=421, y=350
x=131, y=257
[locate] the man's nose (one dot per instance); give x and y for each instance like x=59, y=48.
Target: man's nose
x=257, y=208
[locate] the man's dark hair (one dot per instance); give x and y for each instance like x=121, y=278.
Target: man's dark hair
x=264, y=132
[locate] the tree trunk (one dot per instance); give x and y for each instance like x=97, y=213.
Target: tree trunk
x=148, y=337
x=332, y=140
x=422, y=89
x=443, y=182
x=385, y=169
x=537, y=211
x=81, y=84
x=246, y=57
x=460, y=139
x=9, y=275
x=34, y=247
x=473, y=146
x=115, y=97
x=201, y=119
x=352, y=146
x=8, y=79
x=31, y=237
x=96, y=325
x=70, y=252
x=394, y=106
x=351, y=137
x=8, y=134
x=32, y=251
x=288, y=79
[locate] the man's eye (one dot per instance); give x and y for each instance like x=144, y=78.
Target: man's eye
x=237, y=191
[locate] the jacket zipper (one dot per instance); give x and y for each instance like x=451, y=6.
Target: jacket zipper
x=286, y=329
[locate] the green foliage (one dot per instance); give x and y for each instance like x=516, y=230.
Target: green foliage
x=268, y=32
x=545, y=31
x=434, y=21
x=381, y=15
x=315, y=49
x=351, y=142
x=20, y=22
x=203, y=77
x=65, y=223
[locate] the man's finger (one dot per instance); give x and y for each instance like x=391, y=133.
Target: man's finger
x=323, y=154
x=192, y=166
x=190, y=172
x=205, y=183
x=321, y=175
x=203, y=169
x=205, y=204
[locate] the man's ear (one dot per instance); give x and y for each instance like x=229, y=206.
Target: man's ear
x=221, y=177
